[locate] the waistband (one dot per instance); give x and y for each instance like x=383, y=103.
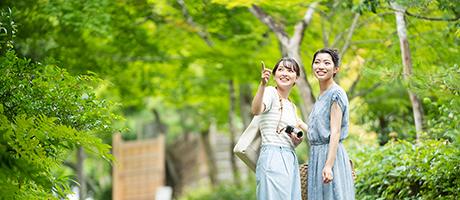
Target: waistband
x=275, y=147
x=322, y=143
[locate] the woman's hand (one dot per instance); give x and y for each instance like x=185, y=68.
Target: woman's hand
x=328, y=176
x=295, y=139
x=265, y=74
x=303, y=126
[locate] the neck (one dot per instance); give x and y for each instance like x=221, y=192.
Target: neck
x=324, y=85
x=283, y=92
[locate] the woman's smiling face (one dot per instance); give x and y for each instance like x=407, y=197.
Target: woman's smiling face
x=285, y=74
x=323, y=67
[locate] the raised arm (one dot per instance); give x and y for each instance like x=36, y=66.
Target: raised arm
x=257, y=103
x=336, y=123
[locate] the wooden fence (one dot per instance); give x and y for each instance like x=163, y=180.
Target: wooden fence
x=148, y=164
x=143, y=163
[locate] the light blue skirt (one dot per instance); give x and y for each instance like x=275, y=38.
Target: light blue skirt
x=277, y=174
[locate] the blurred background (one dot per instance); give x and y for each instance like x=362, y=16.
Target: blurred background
x=181, y=76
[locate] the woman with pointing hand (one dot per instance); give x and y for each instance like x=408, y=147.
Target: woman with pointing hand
x=277, y=171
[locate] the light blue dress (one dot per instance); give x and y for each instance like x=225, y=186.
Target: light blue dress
x=319, y=132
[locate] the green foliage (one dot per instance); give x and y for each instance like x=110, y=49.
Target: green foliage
x=157, y=58
x=228, y=191
x=444, y=119
x=7, y=29
x=44, y=114
x=402, y=170
x=31, y=149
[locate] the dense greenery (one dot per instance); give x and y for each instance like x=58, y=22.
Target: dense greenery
x=179, y=58
x=45, y=113
x=403, y=170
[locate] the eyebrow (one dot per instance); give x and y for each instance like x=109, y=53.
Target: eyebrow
x=327, y=59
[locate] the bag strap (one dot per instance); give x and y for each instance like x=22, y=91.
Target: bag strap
x=281, y=115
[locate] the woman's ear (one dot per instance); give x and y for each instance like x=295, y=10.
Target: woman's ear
x=336, y=69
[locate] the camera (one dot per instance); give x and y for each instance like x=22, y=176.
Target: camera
x=297, y=131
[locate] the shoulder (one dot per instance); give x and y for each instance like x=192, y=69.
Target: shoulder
x=270, y=90
x=338, y=91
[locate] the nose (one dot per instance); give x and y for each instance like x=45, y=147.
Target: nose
x=321, y=66
x=284, y=72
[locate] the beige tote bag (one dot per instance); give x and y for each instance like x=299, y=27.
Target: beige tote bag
x=248, y=146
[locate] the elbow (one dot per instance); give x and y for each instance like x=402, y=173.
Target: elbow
x=255, y=112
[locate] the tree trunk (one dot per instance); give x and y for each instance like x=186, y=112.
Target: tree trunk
x=292, y=45
x=211, y=158
x=80, y=175
x=231, y=117
x=417, y=108
x=245, y=103
x=303, y=85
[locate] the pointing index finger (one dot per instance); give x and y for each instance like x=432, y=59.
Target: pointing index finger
x=263, y=65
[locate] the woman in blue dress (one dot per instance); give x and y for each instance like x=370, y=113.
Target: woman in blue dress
x=329, y=170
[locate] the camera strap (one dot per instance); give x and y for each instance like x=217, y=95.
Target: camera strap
x=281, y=115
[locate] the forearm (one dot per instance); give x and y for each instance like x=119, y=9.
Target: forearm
x=333, y=145
x=336, y=122
x=257, y=103
x=303, y=126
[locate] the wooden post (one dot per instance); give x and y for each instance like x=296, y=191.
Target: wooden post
x=80, y=173
x=117, y=181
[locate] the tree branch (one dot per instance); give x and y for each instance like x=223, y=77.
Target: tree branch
x=147, y=58
x=325, y=34
x=339, y=37
x=424, y=17
x=369, y=41
x=259, y=12
x=351, y=90
x=350, y=34
x=366, y=91
x=202, y=32
x=334, y=10
x=299, y=28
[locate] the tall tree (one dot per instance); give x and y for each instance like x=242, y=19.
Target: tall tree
x=292, y=47
x=417, y=108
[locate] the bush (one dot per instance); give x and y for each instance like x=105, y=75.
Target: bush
x=44, y=114
x=427, y=169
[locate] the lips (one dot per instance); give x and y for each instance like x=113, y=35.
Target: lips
x=284, y=79
x=320, y=73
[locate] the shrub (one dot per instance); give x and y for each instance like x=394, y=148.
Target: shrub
x=428, y=169
x=44, y=114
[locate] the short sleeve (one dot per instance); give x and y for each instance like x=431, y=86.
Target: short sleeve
x=269, y=98
x=338, y=96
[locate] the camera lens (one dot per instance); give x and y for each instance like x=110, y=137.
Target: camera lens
x=299, y=134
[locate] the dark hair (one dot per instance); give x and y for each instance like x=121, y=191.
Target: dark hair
x=293, y=64
x=334, y=55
